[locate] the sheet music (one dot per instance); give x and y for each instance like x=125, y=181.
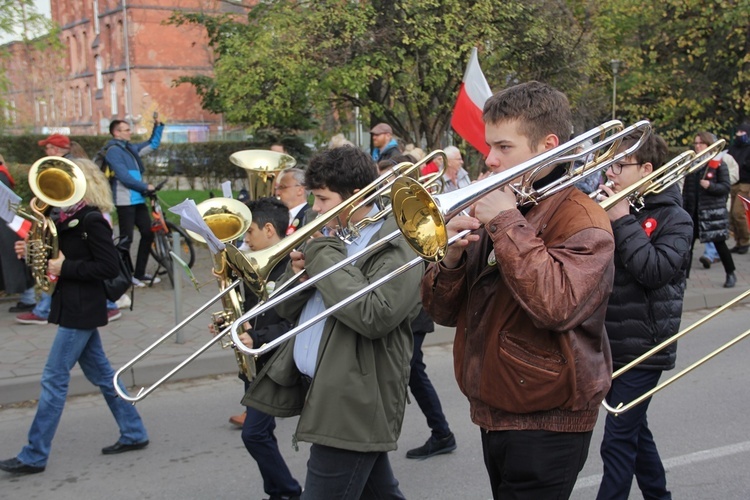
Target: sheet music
x=226, y=189
x=8, y=201
x=191, y=219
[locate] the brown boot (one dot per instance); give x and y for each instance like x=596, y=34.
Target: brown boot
x=238, y=420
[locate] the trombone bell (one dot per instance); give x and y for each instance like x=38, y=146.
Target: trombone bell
x=419, y=219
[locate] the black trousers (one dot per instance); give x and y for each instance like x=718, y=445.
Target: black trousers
x=534, y=465
x=130, y=216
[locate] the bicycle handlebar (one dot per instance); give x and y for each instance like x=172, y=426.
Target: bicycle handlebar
x=152, y=192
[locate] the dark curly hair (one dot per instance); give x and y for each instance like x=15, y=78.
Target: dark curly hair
x=342, y=170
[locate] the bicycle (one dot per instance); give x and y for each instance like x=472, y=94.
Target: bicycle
x=163, y=231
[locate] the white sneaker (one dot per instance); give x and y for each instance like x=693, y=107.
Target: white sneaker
x=145, y=280
x=123, y=302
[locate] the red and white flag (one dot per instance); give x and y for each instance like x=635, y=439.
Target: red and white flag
x=746, y=204
x=467, y=113
x=21, y=226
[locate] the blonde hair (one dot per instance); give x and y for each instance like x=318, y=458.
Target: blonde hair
x=98, y=192
x=77, y=151
x=338, y=141
x=414, y=152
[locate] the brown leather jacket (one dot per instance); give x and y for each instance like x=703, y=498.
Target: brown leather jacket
x=530, y=350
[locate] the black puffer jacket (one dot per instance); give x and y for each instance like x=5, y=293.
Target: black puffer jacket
x=651, y=249
x=741, y=153
x=708, y=207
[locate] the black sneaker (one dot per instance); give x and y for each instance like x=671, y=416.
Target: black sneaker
x=433, y=447
x=20, y=307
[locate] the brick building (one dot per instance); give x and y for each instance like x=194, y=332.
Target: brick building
x=101, y=74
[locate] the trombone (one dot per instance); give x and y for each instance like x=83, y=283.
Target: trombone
x=255, y=267
x=421, y=217
x=228, y=220
x=665, y=179
x=622, y=407
x=665, y=176
x=229, y=223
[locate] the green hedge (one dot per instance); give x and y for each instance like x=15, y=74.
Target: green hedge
x=207, y=161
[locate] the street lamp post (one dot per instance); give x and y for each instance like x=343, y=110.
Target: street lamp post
x=615, y=66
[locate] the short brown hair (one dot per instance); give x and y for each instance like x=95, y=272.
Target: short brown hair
x=539, y=108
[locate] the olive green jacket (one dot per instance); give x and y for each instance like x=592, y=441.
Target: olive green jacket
x=357, y=398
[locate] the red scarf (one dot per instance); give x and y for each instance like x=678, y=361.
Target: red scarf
x=4, y=170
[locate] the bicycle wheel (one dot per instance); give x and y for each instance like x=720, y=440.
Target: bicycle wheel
x=160, y=251
x=187, y=252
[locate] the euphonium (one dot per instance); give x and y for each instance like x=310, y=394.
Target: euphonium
x=228, y=220
x=55, y=182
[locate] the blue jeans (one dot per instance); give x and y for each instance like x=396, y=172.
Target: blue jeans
x=424, y=392
x=85, y=347
x=260, y=441
x=28, y=296
x=628, y=446
x=336, y=474
x=41, y=310
x=710, y=252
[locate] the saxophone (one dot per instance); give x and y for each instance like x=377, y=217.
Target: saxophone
x=55, y=182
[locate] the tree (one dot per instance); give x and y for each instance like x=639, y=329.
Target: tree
x=397, y=61
x=686, y=63
x=20, y=20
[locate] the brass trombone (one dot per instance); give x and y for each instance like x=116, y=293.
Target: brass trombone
x=228, y=220
x=622, y=407
x=228, y=224
x=657, y=184
x=421, y=217
x=660, y=179
x=255, y=267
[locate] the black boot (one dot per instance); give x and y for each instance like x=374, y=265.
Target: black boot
x=731, y=280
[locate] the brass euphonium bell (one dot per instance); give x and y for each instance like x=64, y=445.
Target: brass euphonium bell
x=228, y=220
x=55, y=182
x=262, y=167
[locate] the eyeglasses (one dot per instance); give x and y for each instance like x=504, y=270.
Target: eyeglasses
x=617, y=167
x=282, y=187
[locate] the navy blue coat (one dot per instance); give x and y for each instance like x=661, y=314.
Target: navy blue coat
x=651, y=258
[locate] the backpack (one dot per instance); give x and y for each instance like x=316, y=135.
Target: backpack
x=100, y=158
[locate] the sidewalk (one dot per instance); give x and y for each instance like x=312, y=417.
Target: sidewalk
x=25, y=347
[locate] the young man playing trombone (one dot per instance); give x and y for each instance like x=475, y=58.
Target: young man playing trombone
x=652, y=246
x=527, y=293
x=345, y=377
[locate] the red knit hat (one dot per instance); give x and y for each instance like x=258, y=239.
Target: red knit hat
x=58, y=140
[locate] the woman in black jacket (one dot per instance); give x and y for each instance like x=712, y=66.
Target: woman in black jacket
x=704, y=197
x=87, y=257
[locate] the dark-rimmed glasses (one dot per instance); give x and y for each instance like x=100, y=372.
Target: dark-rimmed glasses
x=617, y=167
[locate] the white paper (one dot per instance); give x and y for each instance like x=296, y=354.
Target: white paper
x=226, y=189
x=8, y=203
x=190, y=218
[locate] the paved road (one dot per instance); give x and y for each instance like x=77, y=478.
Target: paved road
x=700, y=426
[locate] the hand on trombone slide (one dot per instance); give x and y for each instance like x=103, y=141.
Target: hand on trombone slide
x=616, y=211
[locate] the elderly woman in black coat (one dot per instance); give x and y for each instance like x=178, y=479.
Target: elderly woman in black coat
x=704, y=197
